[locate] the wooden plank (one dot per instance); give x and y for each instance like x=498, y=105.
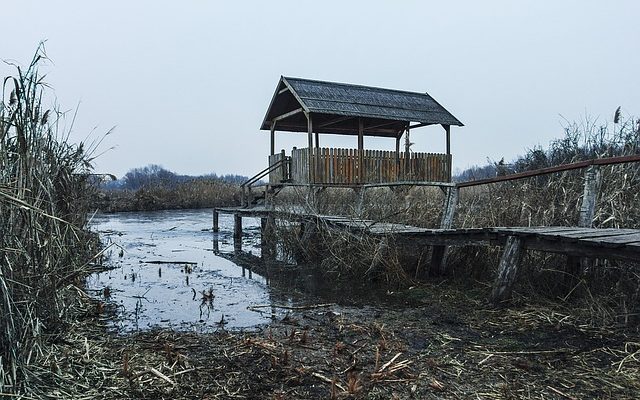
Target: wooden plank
x=333, y=165
x=615, y=240
x=595, y=233
x=543, y=230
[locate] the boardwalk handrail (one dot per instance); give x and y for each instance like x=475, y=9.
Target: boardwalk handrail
x=263, y=173
x=249, y=182
x=556, y=168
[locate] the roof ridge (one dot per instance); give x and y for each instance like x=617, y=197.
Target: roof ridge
x=357, y=86
x=369, y=104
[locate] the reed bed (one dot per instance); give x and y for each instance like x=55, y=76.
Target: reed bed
x=608, y=292
x=193, y=194
x=45, y=251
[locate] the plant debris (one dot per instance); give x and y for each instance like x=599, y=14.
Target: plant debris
x=449, y=344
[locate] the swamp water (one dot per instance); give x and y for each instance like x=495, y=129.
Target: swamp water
x=166, y=273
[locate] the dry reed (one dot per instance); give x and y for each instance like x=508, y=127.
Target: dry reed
x=610, y=291
x=44, y=249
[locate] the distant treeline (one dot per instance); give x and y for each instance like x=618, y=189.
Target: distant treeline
x=156, y=176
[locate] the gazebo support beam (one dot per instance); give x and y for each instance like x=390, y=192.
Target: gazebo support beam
x=288, y=114
x=273, y=137
x=333, y=121
x=380, y=125
x=447, y=129
x=360, y=150
x=398, y=154
x=407, y=154
x=310, y=140
x=419, y=125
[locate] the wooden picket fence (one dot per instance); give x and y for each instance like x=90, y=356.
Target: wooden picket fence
x=342, y=167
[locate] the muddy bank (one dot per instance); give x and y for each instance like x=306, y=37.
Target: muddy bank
x=430, y=342
x=300, y=338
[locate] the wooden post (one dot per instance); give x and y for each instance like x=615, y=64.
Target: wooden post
x=283, y=157
x=216, y=225
x=310, y=139
x=450, y=207
x=271, y=240
x=398, y=156
x=447, y=129
x=216, y=229
x=237, y=232
x=592, y=179
x=407, y=165
x=263, y=238
x=507, y=270
x=439, y=253
x=576, y=266
x=273, y=138
x=360, y=150
x=360, y=205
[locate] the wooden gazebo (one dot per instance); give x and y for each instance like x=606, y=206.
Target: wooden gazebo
x=317, y=107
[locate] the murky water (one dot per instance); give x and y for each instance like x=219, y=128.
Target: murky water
x=167, y=274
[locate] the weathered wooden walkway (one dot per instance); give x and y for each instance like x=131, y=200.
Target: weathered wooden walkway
x=621, y=244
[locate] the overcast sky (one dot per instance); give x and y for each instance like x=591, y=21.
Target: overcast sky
x=186, y=84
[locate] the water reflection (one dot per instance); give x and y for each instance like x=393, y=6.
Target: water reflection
x=168, y=272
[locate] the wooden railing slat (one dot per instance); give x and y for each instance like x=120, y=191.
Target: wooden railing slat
x=345, y=166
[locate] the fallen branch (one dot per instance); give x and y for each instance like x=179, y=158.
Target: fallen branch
x=329, y=381
x=161, y=375
x=309, y=307
x=170, y=262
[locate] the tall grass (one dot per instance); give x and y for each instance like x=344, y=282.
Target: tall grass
x=549, y=200
x=44, y=249
x=192, y=194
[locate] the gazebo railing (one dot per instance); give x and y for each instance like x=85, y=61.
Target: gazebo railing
x=342, y=167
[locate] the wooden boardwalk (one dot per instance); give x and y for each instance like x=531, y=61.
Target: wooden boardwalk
x=576, y=242
x=582, y=242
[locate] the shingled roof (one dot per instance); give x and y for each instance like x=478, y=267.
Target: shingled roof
x=336, y=108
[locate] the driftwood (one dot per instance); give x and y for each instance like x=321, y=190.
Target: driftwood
x=170, y=262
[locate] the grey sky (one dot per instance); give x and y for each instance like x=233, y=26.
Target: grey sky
x=187, y=83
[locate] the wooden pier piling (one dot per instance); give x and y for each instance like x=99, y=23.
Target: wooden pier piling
x=267, y=239
x=237, y=232
x=507, y=269
x=216, y=225
x=439, y=253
